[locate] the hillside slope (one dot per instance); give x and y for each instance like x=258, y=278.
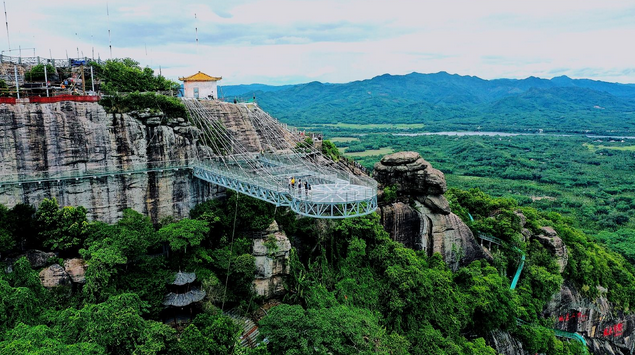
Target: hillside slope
x=443, y=101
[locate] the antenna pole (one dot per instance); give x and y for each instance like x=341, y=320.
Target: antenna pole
x=196, y=30
x=6, y=20
x=109, y=39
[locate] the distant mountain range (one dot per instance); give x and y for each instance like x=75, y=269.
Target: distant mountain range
x=444, y=101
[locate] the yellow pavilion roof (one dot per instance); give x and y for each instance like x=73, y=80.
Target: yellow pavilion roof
x=201, y=77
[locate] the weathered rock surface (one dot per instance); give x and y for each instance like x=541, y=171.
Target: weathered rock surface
x=76, y=137
x=426, y=222
x=550, y=239
x=54, y=276
x=76, y=269
x=271, y=251
x=411, y=174
x=505, y=344
x=38, y=258
x=450, y=237
x=606, y=330
x=404, y=224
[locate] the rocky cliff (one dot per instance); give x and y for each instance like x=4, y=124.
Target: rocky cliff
x=73, y=137
x=420, y=218
x=271, y=249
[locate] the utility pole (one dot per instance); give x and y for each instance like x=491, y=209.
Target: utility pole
x=17, y=85
x=83, y=81
x=92, y=79
x=46, y=79
x=6, y=20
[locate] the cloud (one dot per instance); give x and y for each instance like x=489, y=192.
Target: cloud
x=282, y=41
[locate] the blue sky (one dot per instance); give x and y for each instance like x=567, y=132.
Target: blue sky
x=294, y=41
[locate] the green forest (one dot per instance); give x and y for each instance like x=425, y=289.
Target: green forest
x=443, y=101
x=587, y=179
x=351, y=289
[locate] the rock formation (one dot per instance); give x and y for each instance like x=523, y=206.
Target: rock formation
x=76, y=269
x=54, y=276
x=38, y=258
x=421, y=218
x=271, y=250
x=74, y=137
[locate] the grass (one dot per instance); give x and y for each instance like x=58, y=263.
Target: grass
x=368, y=153
x=377, y=125
x=593, y=147
x=343, y=139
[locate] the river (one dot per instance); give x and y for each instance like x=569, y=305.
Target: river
x=504, y=134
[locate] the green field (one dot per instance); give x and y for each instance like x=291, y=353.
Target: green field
x=593, y=147
x=400, y=126
x=344, y=139
x=369, y=153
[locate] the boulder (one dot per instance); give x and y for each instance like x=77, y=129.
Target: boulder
x=523, y=219
x=76, y=269
x=271, y=250
x=504, y=343
x=410, y=173
x=54, y=276
x=452, y=238
x=38, y=258
x=606, y=329
x=400, y=158
x=437, y=203
x=428, y=223
x=550, y=240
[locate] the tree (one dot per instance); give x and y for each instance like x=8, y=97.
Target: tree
x=41, y=340
x=492, y=304
x=125, y=75
x=335, y=330
x=37, y=72
x=116, y=325
x=184, y=233
x=330, y=150
x=22, y=221
x=62, y=229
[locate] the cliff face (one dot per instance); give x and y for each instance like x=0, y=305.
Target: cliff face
x=426, y=222
x=75, y=136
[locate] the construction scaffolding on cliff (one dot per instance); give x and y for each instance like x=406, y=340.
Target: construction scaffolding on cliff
x=278, y=165
x=287, y=171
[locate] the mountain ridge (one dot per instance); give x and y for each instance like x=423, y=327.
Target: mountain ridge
x=444, y=101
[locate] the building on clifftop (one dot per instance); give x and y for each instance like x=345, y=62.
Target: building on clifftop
x=200, y=85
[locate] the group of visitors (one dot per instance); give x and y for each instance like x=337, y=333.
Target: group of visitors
x=293, y=184
x=358, y=166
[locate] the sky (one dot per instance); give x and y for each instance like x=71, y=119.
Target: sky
x=295, y=41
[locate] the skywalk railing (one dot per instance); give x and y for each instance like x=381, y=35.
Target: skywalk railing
x=88, y=171
x=322, y=195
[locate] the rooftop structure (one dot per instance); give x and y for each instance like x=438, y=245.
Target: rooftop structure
x=200, y=85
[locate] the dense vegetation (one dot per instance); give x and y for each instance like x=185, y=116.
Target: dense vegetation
x=351, y=288
x=587, y=179
x=126, y=76
x=117, y=310
x=451, y=102
x=36, y=73
x=128, y=87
